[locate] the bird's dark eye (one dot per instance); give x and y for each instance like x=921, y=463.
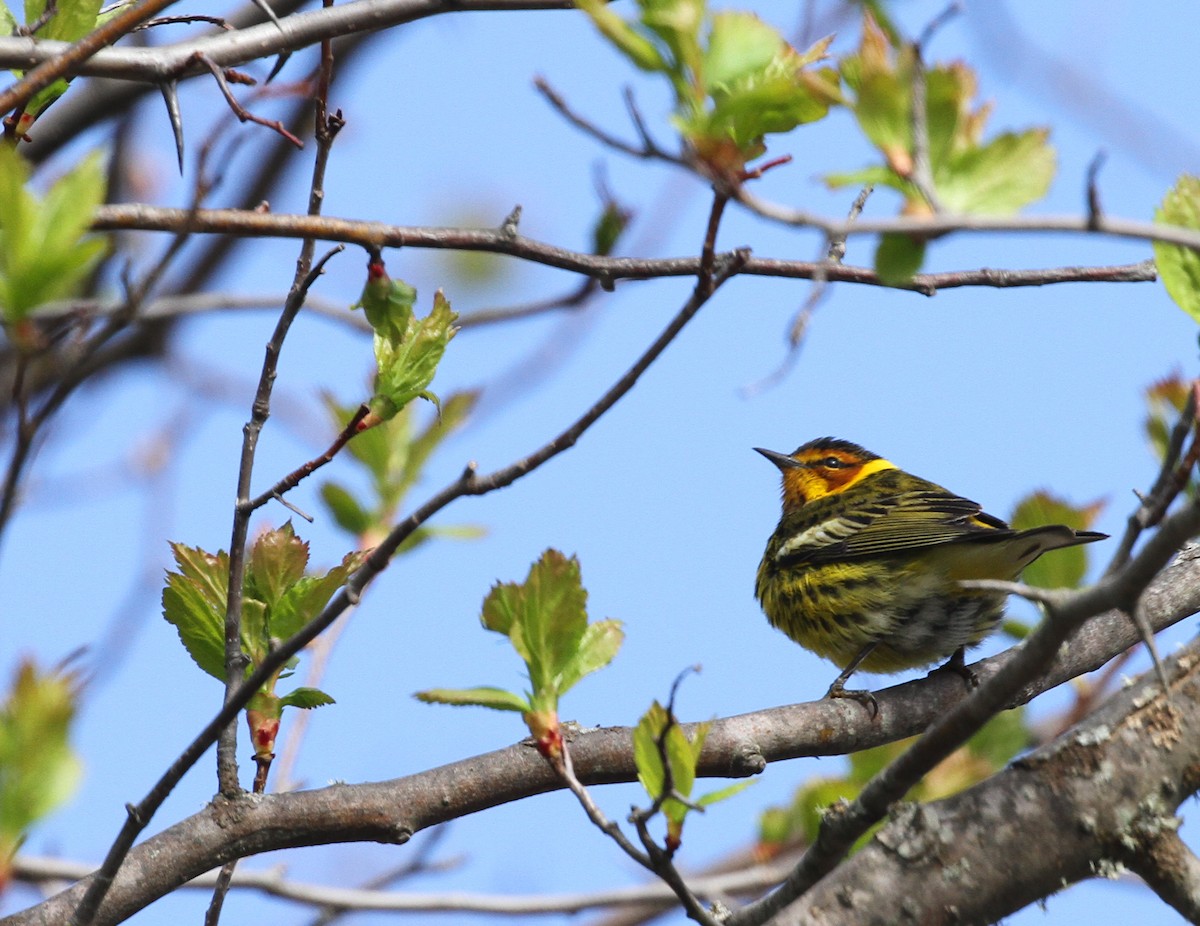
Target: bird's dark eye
x=832, y=463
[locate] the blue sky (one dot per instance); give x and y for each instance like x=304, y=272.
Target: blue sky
x=991, y=392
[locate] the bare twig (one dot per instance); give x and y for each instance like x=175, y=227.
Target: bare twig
x=1093, y=191
x=1171, y=478
x=246, y=223
x=834, y=252
x=235, y=658
x=240, y=111
x=273, y=882
x=293, y=479
x=921, y=174
x=648, y=149
x=212, y=915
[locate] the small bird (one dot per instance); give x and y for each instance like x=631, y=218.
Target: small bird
x=865, y=564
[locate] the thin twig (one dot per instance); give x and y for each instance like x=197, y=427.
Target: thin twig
x=293, y=479
x=835, y=251
x=212, y=915
x=340, y=900
x=235, y=658
x=1094, y=212
x=921, y=174
x=1171, y=478
x=243, y=114
x=648, y=150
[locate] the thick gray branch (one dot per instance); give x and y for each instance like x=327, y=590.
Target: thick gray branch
x=231, y=49
x=392, y=811
x=1074, y=809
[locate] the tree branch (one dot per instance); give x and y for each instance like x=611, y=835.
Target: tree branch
x=236, y=222
x=231, y=49
x=392, y=811
x=839, y=831
x=1074, y=809
x=273, y=882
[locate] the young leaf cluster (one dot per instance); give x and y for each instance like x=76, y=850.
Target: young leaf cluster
x=545, y=619
x=38, y=768
x=407, y=349
x=968, y=175
x=394, y=454
x=666, y=760
x=279, y=597
x=735, y=79
x=45, y=250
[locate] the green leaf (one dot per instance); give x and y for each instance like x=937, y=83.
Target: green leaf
x=636, y=47
x=677, y=24
x=740, y=45
x=553, y=618
x=609, y=227
x=722, y=794
x=1179, y=267
x=38, y=768
x=407, y=364
x=1000, y=178
x=8, y=23
x=597, y=648
x=1165, y=401
x=45, y=251
x=277, y=561
x=194, y=601
x=454, y=413
x=387, y=303
x=347, y=512
x=256, y=633
x=1066, y=567
x=484, y=696
x=306, y=698
x=898, y=257
x=545, y=618
x=308, y=596
x=968, y=176
x=647, y=757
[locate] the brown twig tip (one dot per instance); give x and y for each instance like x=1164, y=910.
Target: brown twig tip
x=935, y=25
x=1094, y=212
x=511, y=222
x=757, y=172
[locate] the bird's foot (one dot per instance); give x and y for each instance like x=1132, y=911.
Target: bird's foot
x=839, y=690
x=958, y=665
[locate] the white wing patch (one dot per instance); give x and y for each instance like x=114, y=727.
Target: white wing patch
x=819, y=536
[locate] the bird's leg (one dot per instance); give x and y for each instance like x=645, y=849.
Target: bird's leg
x=957, y=664
x=839, y=690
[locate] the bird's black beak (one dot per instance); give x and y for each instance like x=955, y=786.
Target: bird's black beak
x=782, y=460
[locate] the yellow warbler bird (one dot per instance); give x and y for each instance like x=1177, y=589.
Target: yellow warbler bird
x=865, y=564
